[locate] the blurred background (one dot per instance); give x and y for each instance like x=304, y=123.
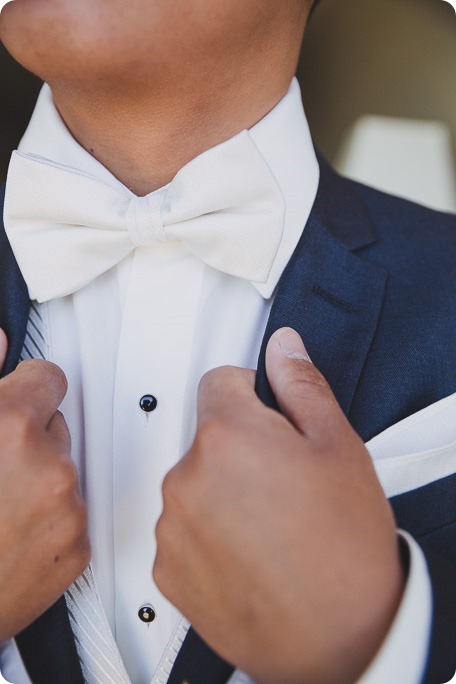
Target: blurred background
x=379, y=87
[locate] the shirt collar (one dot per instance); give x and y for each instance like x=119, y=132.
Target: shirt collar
x=282, y=137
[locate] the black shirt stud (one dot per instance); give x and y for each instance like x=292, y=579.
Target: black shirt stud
x=148, y=403
x=146, y=614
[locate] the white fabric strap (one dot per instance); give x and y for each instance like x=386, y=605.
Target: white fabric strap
x=35, y=343
x=166, y=663
x=101, y=662
x=99, y=656
x=67, y=227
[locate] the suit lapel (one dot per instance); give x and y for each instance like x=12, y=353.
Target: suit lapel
x=196, y=663
x=14, y=301
x=333, y=299
x=47, y=646
x=48, y=649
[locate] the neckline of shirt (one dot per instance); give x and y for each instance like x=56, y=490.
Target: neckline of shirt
x=282, y=138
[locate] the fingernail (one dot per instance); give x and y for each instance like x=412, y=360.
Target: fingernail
x=292, y=345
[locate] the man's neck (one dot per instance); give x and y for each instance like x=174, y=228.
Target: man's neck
x=144, y=142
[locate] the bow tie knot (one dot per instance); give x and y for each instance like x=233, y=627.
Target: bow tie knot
x=144, y=221
x=67, y=227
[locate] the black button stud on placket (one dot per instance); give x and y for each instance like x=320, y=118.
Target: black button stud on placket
x=146, y=614
x=148, y=403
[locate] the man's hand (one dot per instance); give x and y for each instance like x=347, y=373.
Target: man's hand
x=43, y=526
x=276, y=540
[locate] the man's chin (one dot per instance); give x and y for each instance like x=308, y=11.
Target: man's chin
x=23, y=25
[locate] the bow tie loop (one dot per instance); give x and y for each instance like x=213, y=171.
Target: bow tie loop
x=144, y=221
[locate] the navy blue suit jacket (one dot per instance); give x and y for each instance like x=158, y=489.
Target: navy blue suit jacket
x=371, y=289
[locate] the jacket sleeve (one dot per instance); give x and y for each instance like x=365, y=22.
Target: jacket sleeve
x=402, y=655
x=441, y=660
x=429, y=515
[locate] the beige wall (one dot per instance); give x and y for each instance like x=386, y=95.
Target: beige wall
x=388, y=57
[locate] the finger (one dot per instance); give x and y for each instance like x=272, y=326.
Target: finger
x=59, y=432
x=36, y=387
x=300, y=389
x=224, y=392
x=3, y=348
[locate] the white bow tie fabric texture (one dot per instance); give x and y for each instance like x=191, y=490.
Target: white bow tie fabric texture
x=67, y=227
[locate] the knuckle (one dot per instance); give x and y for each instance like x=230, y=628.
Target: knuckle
x=159, y=573
x=159, y=530
x=161, y=539
x=180, y=490
x=164, y=575
x=208, y=381
x=44, y=371
x=59, y=418
x=64, y=479
x=215, y=378
x=162, y=568
x=172, y=491
x=57, y=375
x=72, y=549
x=76, y=528
x=212, y=375
x=79, y=558
x=31, y=365
x=213, y=450
x=168, y=487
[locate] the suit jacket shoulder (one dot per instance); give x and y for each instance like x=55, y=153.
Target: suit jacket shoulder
x=412, y=354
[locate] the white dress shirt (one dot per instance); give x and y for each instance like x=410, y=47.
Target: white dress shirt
x=155, y=324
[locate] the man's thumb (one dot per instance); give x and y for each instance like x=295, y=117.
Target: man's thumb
x=301, y=391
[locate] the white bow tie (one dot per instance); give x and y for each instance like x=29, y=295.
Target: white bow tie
x=67, y=227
